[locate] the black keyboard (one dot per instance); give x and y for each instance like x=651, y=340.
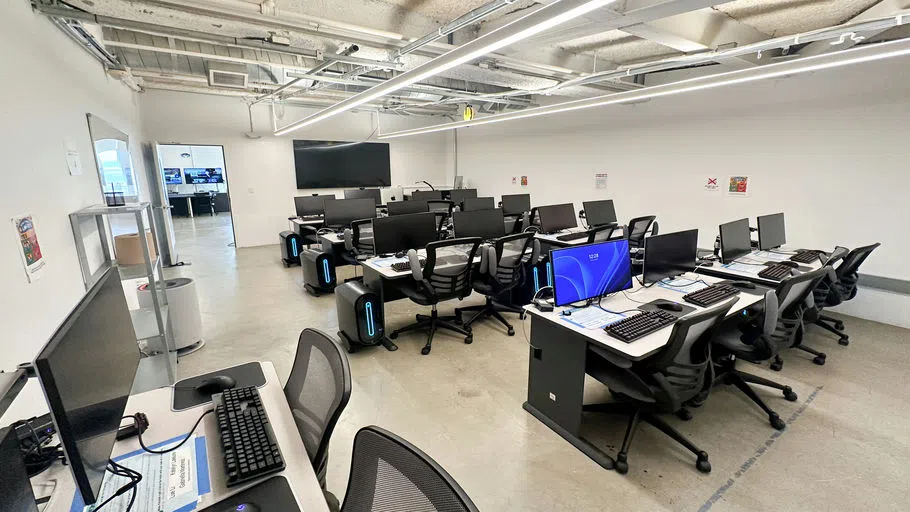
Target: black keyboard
x=634, y=327
x=572, y=236
x=805, y=257
x=775, y=272
x=249, y=445
x=710, y=295
x=404, y=266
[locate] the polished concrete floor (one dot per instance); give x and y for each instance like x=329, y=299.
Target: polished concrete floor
x=845, y=447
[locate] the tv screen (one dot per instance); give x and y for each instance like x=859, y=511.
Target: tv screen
x=172, y=176
x=198, y=176
x=328, y=164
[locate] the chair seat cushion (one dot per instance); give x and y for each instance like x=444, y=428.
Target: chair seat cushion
x=619, y=380
x=731, y=341
x=416, y=293
x=483, y=287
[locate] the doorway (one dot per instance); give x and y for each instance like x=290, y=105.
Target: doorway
x=196, y=180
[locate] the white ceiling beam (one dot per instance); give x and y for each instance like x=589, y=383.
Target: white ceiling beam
x=879, y=10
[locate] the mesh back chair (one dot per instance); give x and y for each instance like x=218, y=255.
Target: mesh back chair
x=761, y=338
x=446, y=275
x=664, y=383
x=842, y=288
x=207, y=200
x=443, y=211
x=501, y=269
x=602, y=233
x=638, y=228
x=317, y=390
x=812, y=310
x=389, y=474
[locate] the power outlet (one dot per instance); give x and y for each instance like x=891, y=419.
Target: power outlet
x=553, y=396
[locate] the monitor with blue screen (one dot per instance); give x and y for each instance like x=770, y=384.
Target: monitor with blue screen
x=590, y=271
x=172, y=176
x=198, y=176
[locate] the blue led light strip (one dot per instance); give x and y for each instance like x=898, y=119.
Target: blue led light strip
x=371, y=329
x=536, y=281
x=325, y=268
x=294, y=246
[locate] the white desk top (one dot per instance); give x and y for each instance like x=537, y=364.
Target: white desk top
x=649, y=344
x=332, y=238
x=383, y=265
x=166, y=424
x=748, y=267
x=308, y=221
x=552, y=238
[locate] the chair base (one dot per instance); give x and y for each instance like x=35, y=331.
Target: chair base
x=434, y=322
x=741, y=380
x=637, y=416
x=491, y=309
x=834, y=326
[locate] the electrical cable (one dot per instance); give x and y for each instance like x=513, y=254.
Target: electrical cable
x=134, y=476
x=631, y=299
x=185, y=439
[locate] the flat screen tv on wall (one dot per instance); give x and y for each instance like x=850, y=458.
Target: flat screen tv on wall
x=328, y=164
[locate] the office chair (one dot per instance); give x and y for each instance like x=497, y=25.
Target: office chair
x=211, y=200
x=358, y=245
x=389, y=473
x=445, y=276
x=638, y=228
x=501, y=269
x=663, y=383
x=842, y=288
x=317, y=390
x=603, y=233
x=762, y=337
x=443, y=211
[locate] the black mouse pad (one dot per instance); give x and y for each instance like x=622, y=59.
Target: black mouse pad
x=273, y=495
x=652, y=306
x=186, y=396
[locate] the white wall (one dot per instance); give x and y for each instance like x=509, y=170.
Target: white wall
x=48, y=84
x=830, y=150
x=260, y=173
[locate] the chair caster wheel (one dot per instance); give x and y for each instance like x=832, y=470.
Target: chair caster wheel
x=469, y=339
x=789, y=395
x=839, y=326
x=684, y=414
x=511, y=331
x=819, y=360
x=702, y=463
x=777, y=366
x=417, y=316
x=393, y=336
x=621, y=467
x=844, y=341
x=776, y=422
x=425, y=350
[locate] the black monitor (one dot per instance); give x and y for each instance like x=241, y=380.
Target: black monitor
x=406, y=207
x=361, y=193
x=772, y=232
x=599, y=213
x=484, y=224
x=735, y=240
x=403, y=232
x=15, y=487
x=308, y=206
x=478, y=203
x=516, y=204
x=426, y=195
x=556, y=217
x=342, y=212
x=87, y=370
x=336, y=164
x=590, y=271
x=199, y=176
x=458, y=196
x=670, y=255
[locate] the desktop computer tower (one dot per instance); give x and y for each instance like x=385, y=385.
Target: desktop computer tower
x=537, y=276
x=318, y=271
x=360, y=316
x=291, y=246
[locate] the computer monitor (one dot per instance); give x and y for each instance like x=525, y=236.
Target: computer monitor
x=403, y=232
x=478, y=203
x=458, y=196
x=590, y=271
x=87, y=370
x=15, y=487
x=342, y=212
x=556, y=217
x=772, y=232
x=198, y=176
x=516, y=204
x=484, y=224
x=172, y=176
x=735, y=240
x=599, y=213
x=670, y=255
x=406, y=207
x=361, y=193
x=307, y=206
x=426, y=195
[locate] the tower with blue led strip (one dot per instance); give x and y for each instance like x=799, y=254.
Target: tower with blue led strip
x=360, y=317
x=291, y=247
x=318, y=271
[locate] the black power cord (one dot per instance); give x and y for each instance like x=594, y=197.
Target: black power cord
x=181, y=443
x=134, y=476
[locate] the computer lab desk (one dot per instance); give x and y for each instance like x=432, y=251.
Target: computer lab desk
x=756, y=261
x=166, y=424
x=559, y=351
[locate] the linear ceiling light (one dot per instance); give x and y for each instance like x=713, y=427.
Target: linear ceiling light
x=538, y=21
x=815, y=63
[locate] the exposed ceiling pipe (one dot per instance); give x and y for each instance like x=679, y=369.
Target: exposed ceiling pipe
x=318, y=69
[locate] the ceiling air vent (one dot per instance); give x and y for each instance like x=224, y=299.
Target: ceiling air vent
x=233, y=76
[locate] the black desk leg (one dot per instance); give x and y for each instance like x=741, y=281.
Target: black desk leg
x=556, y=384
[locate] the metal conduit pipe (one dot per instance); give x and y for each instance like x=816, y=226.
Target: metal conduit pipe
x=318, y=69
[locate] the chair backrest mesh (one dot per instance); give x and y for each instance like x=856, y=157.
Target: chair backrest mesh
x=318, y=390
x=638, y=227
x=363, y=236
x=449, y=266
x=388, y=474
x=601, y=233
x=511, y=253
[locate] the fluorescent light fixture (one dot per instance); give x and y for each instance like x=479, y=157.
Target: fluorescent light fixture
x=538, y=21
x=815, y=63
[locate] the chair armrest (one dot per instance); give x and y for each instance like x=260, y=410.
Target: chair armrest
x=414, y=261
x=348, y=240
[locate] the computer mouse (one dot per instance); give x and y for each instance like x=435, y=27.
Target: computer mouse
x=743, y=284
x=707, y=263
x=243, y=507
x=400, y=254
x=216, y=384
x=791, y=264
x=567, y=312
x=670, y=306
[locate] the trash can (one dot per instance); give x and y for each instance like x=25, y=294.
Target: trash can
x=184, y=317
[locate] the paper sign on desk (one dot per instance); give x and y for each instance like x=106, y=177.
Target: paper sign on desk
x=592, y=317
x=747, y=268
x=772, y=256
x=683, y=286
x=172, y=482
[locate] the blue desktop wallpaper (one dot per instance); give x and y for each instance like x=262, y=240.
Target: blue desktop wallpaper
x=589, y=271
